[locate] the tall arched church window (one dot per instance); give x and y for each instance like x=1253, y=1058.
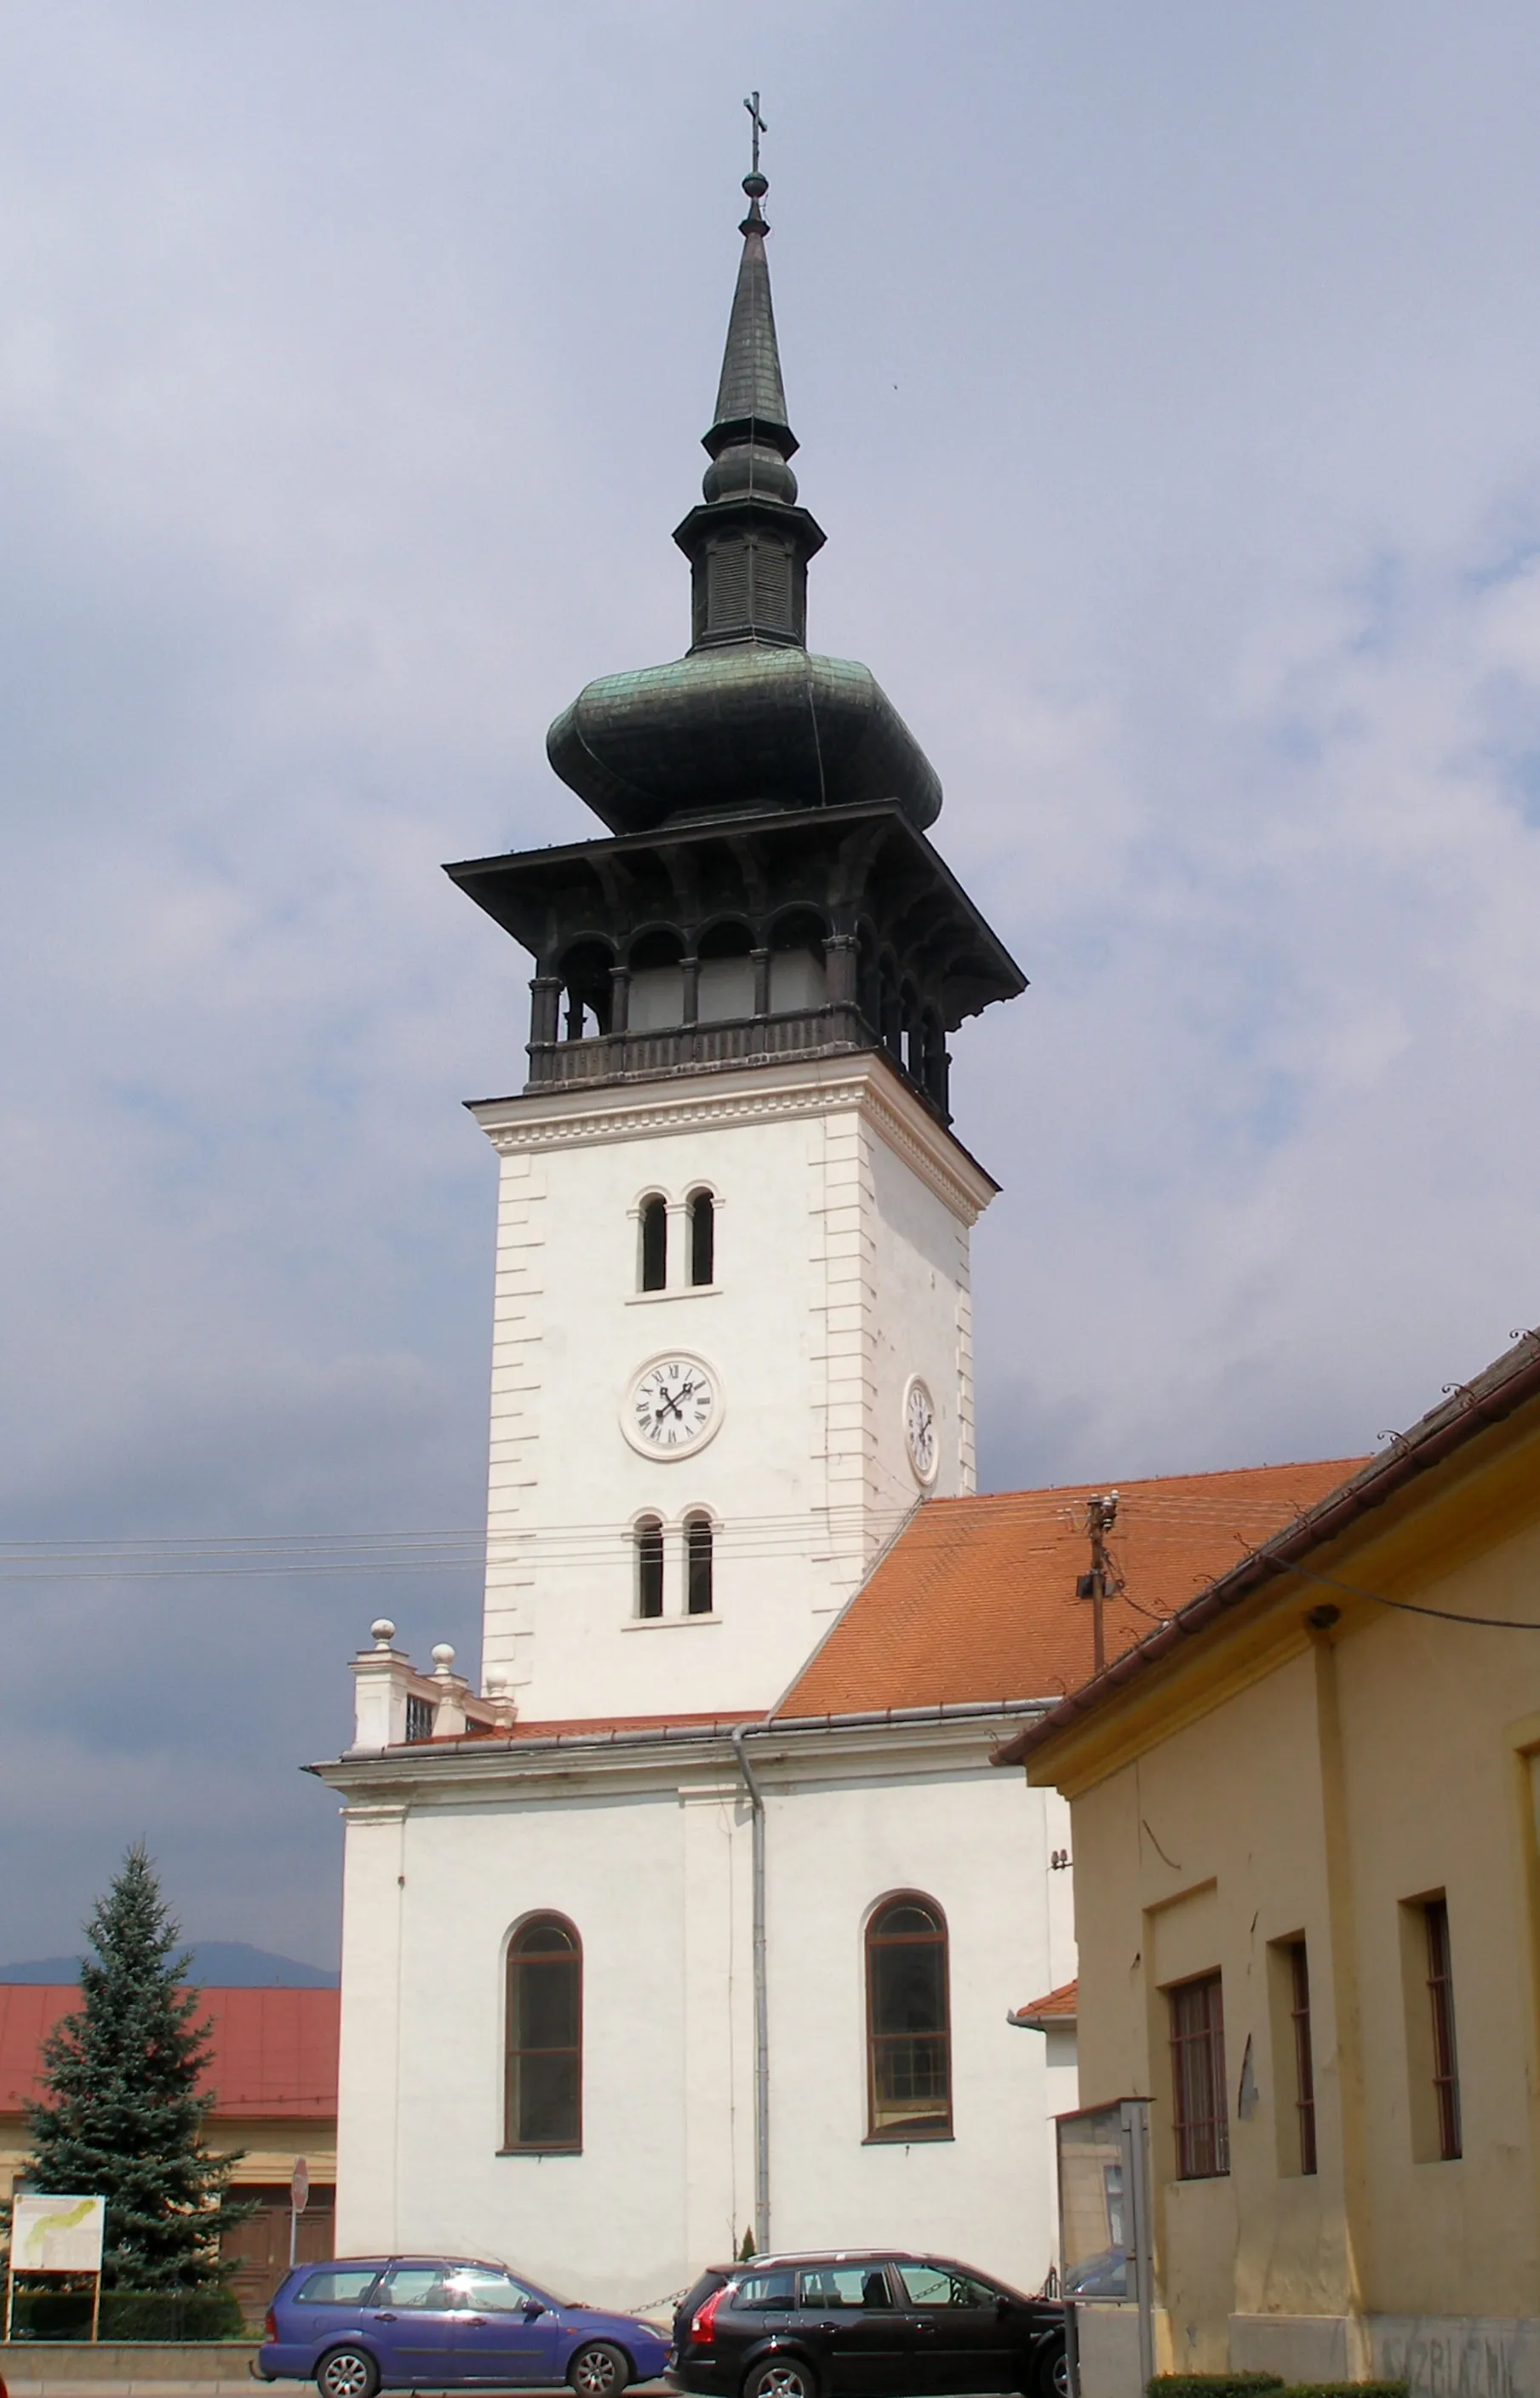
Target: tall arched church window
x=543, y=2083
x=908, y=2019
x=649, y=1567
x=703, y=1238
x=654, y=1244
x=697, y=1566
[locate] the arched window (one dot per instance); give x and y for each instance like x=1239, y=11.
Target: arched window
x=654, y=1260
x=697, y=1566
x=544, y=2080
x=909, y=2037
x=649, y=1567
x=703, y=1238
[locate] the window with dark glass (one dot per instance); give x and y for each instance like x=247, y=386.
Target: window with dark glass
x=1304, y=2063
x=649, y=1567
x=544, y=2083
x=908, y=2040
x=1440, y=1992
x=697, y=1566
x=1200, y=2107
x=654, y=1244
x=703, y=1242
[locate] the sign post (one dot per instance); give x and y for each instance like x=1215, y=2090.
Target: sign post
x=299, y=2199
x=52, y=2234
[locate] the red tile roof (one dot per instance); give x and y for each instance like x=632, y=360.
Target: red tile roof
x=1060, y=2006
x=275, y=2051
x=975, y=1599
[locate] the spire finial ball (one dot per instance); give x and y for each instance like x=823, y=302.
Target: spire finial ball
x=756, y=184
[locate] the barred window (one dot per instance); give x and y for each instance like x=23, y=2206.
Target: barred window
x=544, y=2080
x=1305, y=2062
x=1200, y=2108
x=1440, y=1991
x=909, y=2034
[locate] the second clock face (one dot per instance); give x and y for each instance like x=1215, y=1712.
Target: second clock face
x=673, y=1405
x=919, y=1431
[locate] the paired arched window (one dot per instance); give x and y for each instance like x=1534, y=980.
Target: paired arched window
x=697, y=1566
x=653, y=1240
x=649, y=1541
x=543, y=2078
x=908, y=2021
x=649, y=1567
x=653, y=1261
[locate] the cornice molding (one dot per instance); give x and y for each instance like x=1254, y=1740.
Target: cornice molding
x=471, y=1772
x=533, y=1123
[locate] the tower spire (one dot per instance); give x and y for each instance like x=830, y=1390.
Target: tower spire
x=751, y=396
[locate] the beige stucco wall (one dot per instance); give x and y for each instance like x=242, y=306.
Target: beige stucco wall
x=1285, y=1781
x=270, y=2146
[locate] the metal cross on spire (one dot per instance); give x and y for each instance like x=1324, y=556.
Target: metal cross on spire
x=757, y=121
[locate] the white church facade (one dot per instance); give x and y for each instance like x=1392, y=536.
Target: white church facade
x=706, y=1912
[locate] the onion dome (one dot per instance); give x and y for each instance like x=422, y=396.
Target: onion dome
x=747, y=720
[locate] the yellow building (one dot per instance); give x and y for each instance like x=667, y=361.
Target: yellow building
x=1308, y=1897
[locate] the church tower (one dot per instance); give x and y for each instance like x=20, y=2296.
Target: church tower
x=733, y=1341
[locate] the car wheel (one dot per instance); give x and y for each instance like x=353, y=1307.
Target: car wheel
x=347, y=2372
x=782, y=2377
x=1051, y=2374
x=598, y=2371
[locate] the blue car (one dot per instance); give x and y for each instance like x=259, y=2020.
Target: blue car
x=361, y=2323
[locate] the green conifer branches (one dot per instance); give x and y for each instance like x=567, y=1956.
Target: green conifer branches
x=124, y=2113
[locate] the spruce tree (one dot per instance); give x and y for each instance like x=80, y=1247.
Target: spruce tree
x=124, y=2115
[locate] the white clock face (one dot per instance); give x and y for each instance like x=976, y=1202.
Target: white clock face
x=919, y=1431
x=672, y=1407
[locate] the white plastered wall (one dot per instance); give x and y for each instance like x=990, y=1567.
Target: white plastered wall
x=652, y=1866
x=842, y=1221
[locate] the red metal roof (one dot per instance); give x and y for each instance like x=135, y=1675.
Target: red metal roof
x=275, y=2051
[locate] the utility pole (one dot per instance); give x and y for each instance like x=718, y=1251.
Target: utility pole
x=1101, y=1515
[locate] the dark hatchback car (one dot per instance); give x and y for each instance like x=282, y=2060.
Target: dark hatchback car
x=361, y=2323
x=874, y=2323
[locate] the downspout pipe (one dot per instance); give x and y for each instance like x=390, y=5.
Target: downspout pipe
x=761, y=1995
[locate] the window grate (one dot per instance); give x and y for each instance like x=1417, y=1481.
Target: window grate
x=1304, y=2063
x=419, y=1718
x=1201, y=2108
x=1440, y=1991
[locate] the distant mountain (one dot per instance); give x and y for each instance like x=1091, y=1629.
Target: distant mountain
x=217, y=1965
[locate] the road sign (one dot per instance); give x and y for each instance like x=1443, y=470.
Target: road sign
x=299, y=2186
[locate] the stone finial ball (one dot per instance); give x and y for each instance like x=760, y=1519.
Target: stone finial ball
x=382, y=1632
x=443, y=1657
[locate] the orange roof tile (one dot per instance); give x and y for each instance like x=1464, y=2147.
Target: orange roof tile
x=975, y=1599
x=1060, y=2006
x=274, y=2053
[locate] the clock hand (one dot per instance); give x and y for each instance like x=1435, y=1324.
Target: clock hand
x=672, y=1406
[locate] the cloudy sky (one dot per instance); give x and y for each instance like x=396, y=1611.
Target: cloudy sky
x=1168, y=383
